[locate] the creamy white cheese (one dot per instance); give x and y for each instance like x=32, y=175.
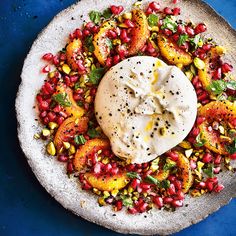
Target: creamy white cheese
x=145, y=107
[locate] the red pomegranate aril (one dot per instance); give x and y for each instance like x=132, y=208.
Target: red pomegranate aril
x=189, y=31
x=143, y=207
x=150, y=48
x=202, y=185
x=111, y=34
x=214, y=180
x=179, y=195
x=116, y=59
x=226, y=68
x=219, y=188
x=132, y=210
x=80, y=65
x=195, y=80
x=200, y=28
x=46, y=120
x=203, y=96
x=60, y=120
x=149, y=11
x=180, y=29
x=114, y=170
x=145, y=186
x=175, y=1
x=167, y=200
x=175, y=37
x=63, y=114
x=218, y=74
x=171, y=178
x=233, y=156
x=206, y=47
x=107, y=167
x=216, y=170
x=97, y=168
x=193, y=164
x=177, y=203
x=63, y=158
x=204, y=102
x=116, y=10
x=39, y=98
x=77, y=97
x=158, y=201
x=46, y=69
x=56, y=60
x=171, y=190
x=167, y=32
x=130, y=167
x=155, y=6
x=207, y=158
x=86, y=32
x=62, y=57
x=109, y=62
x=118, y=205
x=95, y=29
x=43, y=106
x=51, y=116
x=177, y=184
x=173, y=155
x=202, y=56
x=195, y=131
x=109, y=200
x=57, y=108
x=47, y=57
x=81, y=177
x=49, y=87
x=129, y=23
x=78, y=33
x=74, y=79
x=86, y=185
x=199, y=91
x=217, y=160
x=176, y=11
x=135, y=183
x=89, y=25
x=70, y=167
x=168, y=11
x=200, y=119
x=43, y=114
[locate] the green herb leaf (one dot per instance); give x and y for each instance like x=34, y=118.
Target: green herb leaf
x=152, y=20
x=165, y=184
x=107, y=13
x=127, y=201
x=77, y=85
x=182, y=39
x=199, y=141
x=93, y=133
x=169, y=23
x=109, y=43
x=62, y=99
x=217, y=87
x=209, y=170
x=152, y=180
x=80, y=139
x=95, y=17
x=89, y=43
x=195, y=41
x=231, y=85
x=80, y=103
x=133, y=175
x=231, y=98
x=232, y=148
x=95, y=75
x=168, y=166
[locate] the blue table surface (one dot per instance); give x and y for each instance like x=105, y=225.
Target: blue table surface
x=25, y=207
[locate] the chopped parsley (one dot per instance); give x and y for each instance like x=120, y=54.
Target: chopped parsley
x=95, y=17
x=182, y=39
x=95, y=75
x=209, y=170
x=93, y=133
x=80, y=139
x=169, y=23
x=152, y=180
x=89, y=43
x=62, y=99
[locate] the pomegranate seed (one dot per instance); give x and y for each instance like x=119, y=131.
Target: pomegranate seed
x=177, y=203
x=43, y=114
x=57, y=108
x=185, y=46
x=217, y=160
x=44, y=106
x=62, y=56
x=63, y=158
x=158, y=201
x=195, y=80
x=89, y=25
x=205, y=101
x=129, y=23
x=175, y=1
x=51, y=116
x=195, y=131
x=60, y=120
x=202, y=185
x=175, y=37
x=167, y=32
x=109, y=62
x=155, y=6
x=203, y=96
x=171, y=178
x=200, y=120
x=56, y=60
x=179, y=195
x=47, y=57
x=95, y=29
x=81, y=177
x=49, y=87
x=39, y=98
x=116, y=10
x=116, y=59
x=63, y=114
x=168, y=11
x=193, y=164
x=74, y=79
x=70, y=167
x=80, y=65
x=207, y=157
x=46, y=120
x=233, y=122
x=206, y=47
x=200, y=28
x=171, y=189
x=145, y=186
x=219, y=188
x=226, y=68
x=216, y=170
x=180, y=29
x=214, y=180
x=86, y=32
x=46, y=69
x=118, y=205
x=177, y=184
x=176, y=11
x=78, y=33
x=130, y=167
x=202, y=56
x=218, y=74
x=107, y=167
x=112, y=34
x=173, y=155
x=233, y=156
x=143, y=207
x=189, y=31
x=97, y=168
x=132, y=211
x=149, y=11
x=150, y=48
x=167, y=200
x=86, y=185
x=114, y=170
x=109, y=200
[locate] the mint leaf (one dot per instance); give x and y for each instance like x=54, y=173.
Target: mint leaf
x=62, y=99
x=95, y=75
x=107, y=13
x=152, y=180
x=80, y=139
x=169, y=23
x=209, y=170
x=93, y=133
x=152, y=20
x=133, y=175
x=182, y=39
x=95, y=17
x=88, y=42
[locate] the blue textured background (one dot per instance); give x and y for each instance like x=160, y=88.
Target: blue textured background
x=25, y=207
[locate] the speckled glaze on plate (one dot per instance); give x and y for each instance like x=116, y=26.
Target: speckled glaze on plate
x=51, y=174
